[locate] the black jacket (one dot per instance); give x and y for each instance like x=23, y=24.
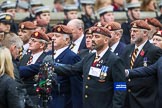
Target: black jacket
x=9, y=97
x=98, y=94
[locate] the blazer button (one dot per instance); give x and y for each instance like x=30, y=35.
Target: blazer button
x=86, y=86
x=129, y=80
x=86, y=96
x=88, y=78
x=129, y=90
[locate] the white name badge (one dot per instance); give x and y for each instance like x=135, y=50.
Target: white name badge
x=95, y=71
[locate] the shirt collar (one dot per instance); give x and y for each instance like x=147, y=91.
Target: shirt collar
x=114, y=46
x=102, y=53
x=59, y=51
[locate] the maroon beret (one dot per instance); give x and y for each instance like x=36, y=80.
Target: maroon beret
x=63, y=29
x=141, y=24
x=27, y=25
x=101, y=30
x=39, y=35
x=112, y=26
x=153, y=22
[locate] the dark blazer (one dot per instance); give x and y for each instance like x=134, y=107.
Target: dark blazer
x=119, y=49
x=27, y=73
x=25, y=58
x=99, y=93
x=142, y=92
x=70, y=89
x=155, y=69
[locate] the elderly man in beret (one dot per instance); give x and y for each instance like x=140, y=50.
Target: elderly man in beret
x=152, y=70
x=103, y=74
x=68, y=92
x=116, y=33
x=141, y=92
x=25, y=30
x=37, y=45
x=157, y=39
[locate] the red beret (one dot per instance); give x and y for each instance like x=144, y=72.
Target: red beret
x=153, y=22
x=63, y=29
x=101, y=30
x=27, y=25
x=39, y=35
x=141, y=24
x=112, y=26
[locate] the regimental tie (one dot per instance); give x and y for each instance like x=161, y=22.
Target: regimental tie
x=95, y=61
x=30, y=60
x=133, y=58
x=20, y=53
x=72, y=45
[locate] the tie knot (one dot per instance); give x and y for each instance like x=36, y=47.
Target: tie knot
x=136, y=50
x=97, y=57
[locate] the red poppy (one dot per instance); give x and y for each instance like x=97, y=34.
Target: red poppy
x=142, y=53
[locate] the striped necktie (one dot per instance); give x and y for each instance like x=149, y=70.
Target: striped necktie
x=95, y=61
x=30, y=60
x=133, y=58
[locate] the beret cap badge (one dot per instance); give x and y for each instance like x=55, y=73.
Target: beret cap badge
x=58, y=29
x=109, y=27
x=36, y=34
x=134, y=25
x=22, y=26
x=99, y=24
x=8, y=17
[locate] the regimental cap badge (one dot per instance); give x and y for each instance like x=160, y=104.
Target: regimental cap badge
x=36, y=34
x=99, y=24
x=58, y=29
x=109, y=27
x=22, y=26
x=89, y=31
x=8, y=17
x=134, y=25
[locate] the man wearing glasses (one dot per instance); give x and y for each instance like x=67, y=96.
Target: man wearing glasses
x=141, y=92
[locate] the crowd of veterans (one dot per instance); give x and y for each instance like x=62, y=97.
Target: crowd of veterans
x=99, y=63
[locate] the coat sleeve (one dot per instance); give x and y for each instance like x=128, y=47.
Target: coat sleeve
x=30, y=70
x=119, y=83
x=69, y=70
x=13, y=99
x=143, y=71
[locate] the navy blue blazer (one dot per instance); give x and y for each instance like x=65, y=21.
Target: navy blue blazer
x=30, y=70
x=119, y=49
x=155, y=69
x=74, y=82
